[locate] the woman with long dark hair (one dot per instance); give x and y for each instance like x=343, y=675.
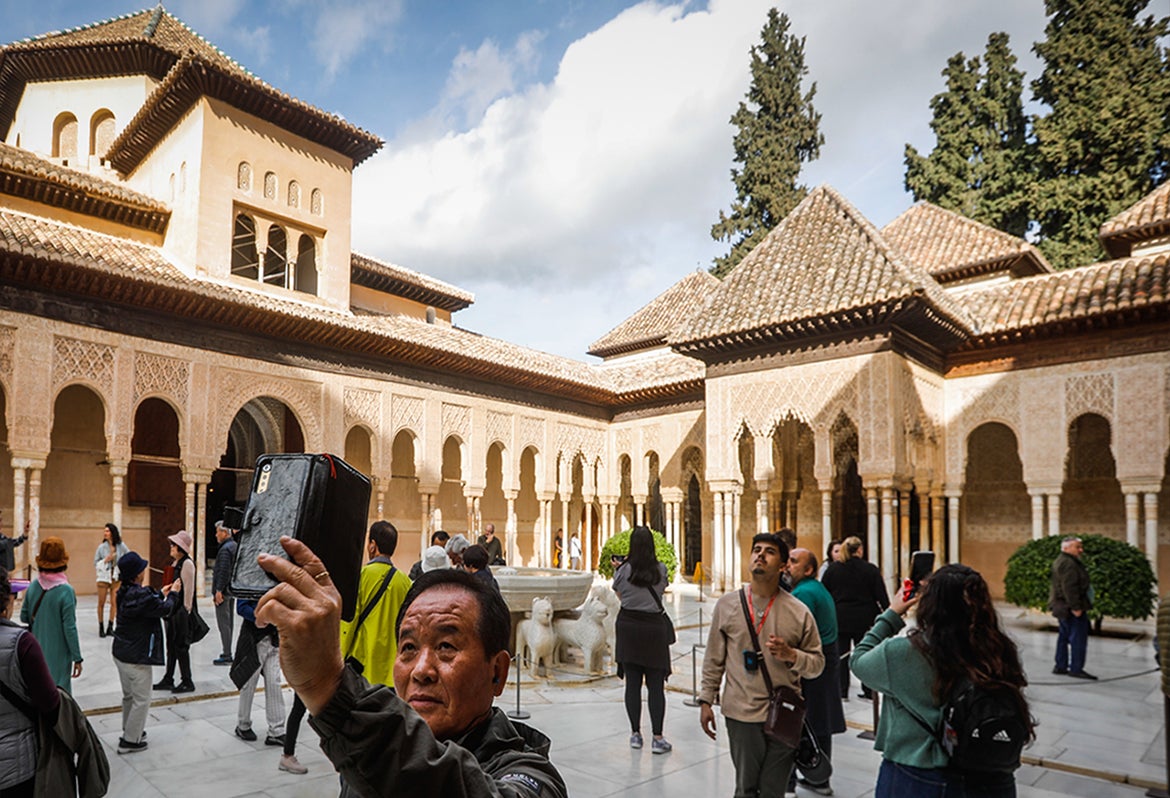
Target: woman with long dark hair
x=643, y=639
x=958, y=640
x=105, y=563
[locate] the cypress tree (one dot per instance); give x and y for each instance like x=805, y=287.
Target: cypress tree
x=778, y=131
x=1105, y=142
x=978, y=167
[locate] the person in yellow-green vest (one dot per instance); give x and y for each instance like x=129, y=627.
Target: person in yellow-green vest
x=369, y=638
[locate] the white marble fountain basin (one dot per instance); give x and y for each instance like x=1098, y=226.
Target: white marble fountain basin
x=566, y=590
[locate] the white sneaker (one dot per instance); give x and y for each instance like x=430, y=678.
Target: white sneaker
x=289, y=764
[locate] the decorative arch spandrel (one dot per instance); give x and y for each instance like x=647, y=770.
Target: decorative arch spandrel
x=236, y=389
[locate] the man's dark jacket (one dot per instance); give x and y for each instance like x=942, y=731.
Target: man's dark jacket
x=859, y=593
x=1070, y=586
x=138, y=640
x=225, y=558
x=383, y=747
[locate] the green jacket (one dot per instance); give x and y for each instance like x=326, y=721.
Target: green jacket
x=55, y=628
x=894, y=667
x=375, y=645
x=381, y=746
x=1070, y=586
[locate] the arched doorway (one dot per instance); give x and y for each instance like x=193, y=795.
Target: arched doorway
x=451, y=502
x=996, y=507
x=1090, y=498
x=155, y=477
x=7, y=491
x=849, y=516
x=403, y=503
x=531, y=549
x=359, y=453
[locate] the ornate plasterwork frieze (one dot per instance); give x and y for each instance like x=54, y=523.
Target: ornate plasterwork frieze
x=155, y=374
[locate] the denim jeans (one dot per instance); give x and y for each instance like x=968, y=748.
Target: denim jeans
x=904, y=781
x=1073, y=637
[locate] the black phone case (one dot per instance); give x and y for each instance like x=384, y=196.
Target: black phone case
x=318, y=499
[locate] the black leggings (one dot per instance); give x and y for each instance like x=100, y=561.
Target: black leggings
x=656, y=689
x=178, y=653
x=293, y=726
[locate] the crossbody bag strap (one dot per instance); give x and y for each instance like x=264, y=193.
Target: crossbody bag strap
x=12, y=698
x=369, y=608
x=747, y=616
x=33, y=615
x=657, y=600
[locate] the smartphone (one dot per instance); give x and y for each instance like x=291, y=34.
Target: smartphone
x=751, y=660
x=921, y=564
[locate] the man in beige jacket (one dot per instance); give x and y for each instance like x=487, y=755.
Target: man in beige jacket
x=788, y=633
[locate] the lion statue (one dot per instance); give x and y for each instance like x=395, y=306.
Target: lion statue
x=536, y=635
x=587, y=632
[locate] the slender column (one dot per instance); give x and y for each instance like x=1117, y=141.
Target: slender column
x=715, y=571
x=1037, y=516
x=511, y=533
x=676, y=526
x=937, y=533
x=1131, y=518
x=953, y=527
x=733, y=558
x=424, y=533
x=380, y=505
x=1151, y=509
x=34, y=509
x=118, y=484
x=793, y=506
x=887, y=553
x=640, y=512
x=566, y=533
x=199, y=534
x=470, y=501
x=587, y=537
x=762, y=513
x=477, y=514
x=544, y=541
x=189, y=514
x=1053, y=513
x=871, y=523
x=903, y=533
x=19, y=503
x=826, y=516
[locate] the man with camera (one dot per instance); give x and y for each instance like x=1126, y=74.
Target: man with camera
x=440, y=734
x=786, y=628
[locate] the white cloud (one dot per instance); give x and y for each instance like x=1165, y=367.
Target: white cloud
x=584, y=197
x=343, y=28
x=478, y=77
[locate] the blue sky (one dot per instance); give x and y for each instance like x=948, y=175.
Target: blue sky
x=564, y=159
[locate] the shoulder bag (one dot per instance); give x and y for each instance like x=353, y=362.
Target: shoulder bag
x=667, y=624
x=196, y=627
x=785, y=720
x=368, y=609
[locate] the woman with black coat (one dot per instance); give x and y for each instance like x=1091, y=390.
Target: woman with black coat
x=860, y=594
x=138, y=645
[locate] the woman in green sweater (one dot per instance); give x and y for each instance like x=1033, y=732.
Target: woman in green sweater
x=958, y=638
x=50, y=610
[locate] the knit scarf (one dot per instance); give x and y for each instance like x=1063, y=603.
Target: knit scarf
x=51, y=580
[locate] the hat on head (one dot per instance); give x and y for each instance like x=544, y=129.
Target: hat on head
x=434, y=558
x=182, y=539
x=53, y=556
x=457, y=544
x=130, y=565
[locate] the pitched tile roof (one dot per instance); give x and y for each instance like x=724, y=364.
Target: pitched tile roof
x=1147, y=218
x=1087, y=297
x=23, y=174
x=952, y=247
x=383, y=276
x=823, y=269
x=155, y=43
x=62, y=258
x=650, y=325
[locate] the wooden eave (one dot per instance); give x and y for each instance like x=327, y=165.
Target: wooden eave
x=398, y=287
x=44, y=189
x=1017, y=263
x=629, y=346
x=911, y=313
x=658, y=393
x=1106, y=319
x=1120, y=244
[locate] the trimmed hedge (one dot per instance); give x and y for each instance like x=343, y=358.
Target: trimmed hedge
x=620, y=544
x=1123, y=582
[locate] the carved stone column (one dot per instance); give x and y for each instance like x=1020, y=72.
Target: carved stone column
x=1053, y=513
x=587, y=537
x=887, y=552
x=118, y=473
x=34, y=508
x=716, y=569
x=19, y=504
x=871, y=523
x=903, y=533
x=1132, y=506
x=1151, y=510
x=426, y=500
x=511, y=533
x=566, y=534
x=199, y=536
x=938, y=540
x=1037, y=516
x=731, y=507
x=953, y=553
x=826, y=514
x=380, y=497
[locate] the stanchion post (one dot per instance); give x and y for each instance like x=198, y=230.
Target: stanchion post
x=1155, y=792
x=693, y=701
x=518, y=713
x=869, y=735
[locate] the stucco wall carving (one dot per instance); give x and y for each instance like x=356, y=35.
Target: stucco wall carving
x=155, y=374
x=651, y=435
x=1088, y=393
x=83, y=360
x=499, y=428
x=622, y=441
x=7, y=345
x=456, y=421
x=407, y=412
x=237, y=388
x=573, y=438
x=531, y=433
x=363, y=407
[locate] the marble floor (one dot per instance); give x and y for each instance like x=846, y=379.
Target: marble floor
x=1092, y=738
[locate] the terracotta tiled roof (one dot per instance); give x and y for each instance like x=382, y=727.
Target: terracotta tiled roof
x=23, y=174
x=640, y=373
x=650, y=326
x=952, y=247
x=1147, y=218
x=1087, y=297
x=64, y=259
x=382, y=276
x=155, y=43
x=822, y=270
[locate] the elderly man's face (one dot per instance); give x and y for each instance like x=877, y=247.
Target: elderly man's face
x=799, y=565
x=221, y=534
x=442, y=670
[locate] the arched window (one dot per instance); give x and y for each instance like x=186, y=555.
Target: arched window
x=172, y=184
x=65, y=136
x=245, y=263
x=276, y=257
x=101, y=133
x=183, y=178
x=317, y=202
x=294, y=194
x=306, y=276
x=244, y=176
x=270, y=185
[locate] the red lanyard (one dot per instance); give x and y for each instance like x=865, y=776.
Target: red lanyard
x=760, y=628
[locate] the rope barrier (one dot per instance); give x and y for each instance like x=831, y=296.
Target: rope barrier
x=1067, y=682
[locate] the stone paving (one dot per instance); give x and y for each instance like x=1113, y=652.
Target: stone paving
x=1093, y=736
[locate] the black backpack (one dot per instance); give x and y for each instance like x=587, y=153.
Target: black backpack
x=982, y=729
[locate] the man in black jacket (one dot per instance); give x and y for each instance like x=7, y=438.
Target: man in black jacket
x=1070, y=603
x=859, y=593
x=221, y=577
x=442, y=736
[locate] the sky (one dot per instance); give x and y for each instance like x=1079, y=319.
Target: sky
x=564, y=160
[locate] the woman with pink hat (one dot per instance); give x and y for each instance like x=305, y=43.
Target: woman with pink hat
x=178, y=635
x=50, y=610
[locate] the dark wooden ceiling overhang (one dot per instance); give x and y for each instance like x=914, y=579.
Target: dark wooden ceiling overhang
x=1130, y=316
x=388, y=283
x=1019, y=264
x=1119, y=244
x=913, y=313
x=629, y=346
x=226, y=308
x=44, y=188
x=192, y=77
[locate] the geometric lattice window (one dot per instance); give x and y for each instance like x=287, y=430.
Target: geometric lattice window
x=294, y=194
x=318, y=202
x=276, y=257
x=245, y=263
x=244, y=176
x=270, y=186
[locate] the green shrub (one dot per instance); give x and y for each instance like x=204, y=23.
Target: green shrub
x=1122, y=580
x=619, y=544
